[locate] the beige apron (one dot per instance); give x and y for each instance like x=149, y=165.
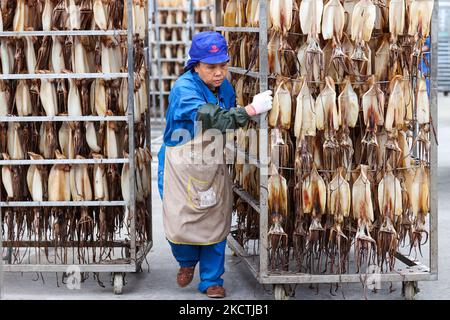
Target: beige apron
x=197, y=201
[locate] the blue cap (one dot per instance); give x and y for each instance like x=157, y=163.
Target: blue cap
x=208, y=47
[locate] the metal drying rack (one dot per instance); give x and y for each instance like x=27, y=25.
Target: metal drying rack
x=258, y=264
x=135, y=253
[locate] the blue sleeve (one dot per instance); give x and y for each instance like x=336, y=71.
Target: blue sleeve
x=187, y=101
x=230, y=95
x=161, y=160
x=233, y=100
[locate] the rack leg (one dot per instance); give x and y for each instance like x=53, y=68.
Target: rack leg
x=8, y=256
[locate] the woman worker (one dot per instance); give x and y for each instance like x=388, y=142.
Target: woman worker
x=197, y=196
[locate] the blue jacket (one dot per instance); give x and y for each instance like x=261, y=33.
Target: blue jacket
x=187, y=95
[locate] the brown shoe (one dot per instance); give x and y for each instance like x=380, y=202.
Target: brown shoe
x=215, y=292
x=185, y=276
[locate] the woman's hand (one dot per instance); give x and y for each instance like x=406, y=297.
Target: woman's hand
x=261, y=103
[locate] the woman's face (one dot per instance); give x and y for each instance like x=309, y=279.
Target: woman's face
x=212, y=74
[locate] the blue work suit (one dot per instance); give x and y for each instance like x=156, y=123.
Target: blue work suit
x=188, y=94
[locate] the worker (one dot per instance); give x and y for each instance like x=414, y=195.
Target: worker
x=197, y=198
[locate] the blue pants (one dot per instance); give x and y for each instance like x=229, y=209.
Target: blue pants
x=211, y=258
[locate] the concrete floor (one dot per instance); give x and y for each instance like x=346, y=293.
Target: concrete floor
x=159, y=282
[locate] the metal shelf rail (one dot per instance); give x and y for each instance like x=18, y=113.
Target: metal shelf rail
x=258, y=263
x=135, y=251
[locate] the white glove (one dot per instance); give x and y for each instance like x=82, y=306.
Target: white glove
x=262, y=102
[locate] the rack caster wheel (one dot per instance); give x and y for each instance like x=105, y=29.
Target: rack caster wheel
x=410, y=290
x=118, y=283
x=280, y=292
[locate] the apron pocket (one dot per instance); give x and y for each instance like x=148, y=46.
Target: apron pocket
x=202, y=195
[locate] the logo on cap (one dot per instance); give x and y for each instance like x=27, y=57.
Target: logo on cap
x=214, y=49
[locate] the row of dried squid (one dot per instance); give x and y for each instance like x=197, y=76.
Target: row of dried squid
x=47, y=15
x=172, y=34
x=85, y=97
x=83, y=234
x=322, y=217
x=240, y=13
x=167, y=84
x=173, y=3
x=73, y=97
x=171, y=17
x=64, y=227
x=169, y=70
x=316, y=38
x=65, y=54
x=170, y=51
x=88, y=228
x=72, y=138
x=341, y=133
x=331, y=18
x=204, y=16
x=329, y=193
x=376, y=142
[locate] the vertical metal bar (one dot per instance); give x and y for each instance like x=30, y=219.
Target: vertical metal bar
x=218, y=12
x=1, y=250
x=150, y=88
x=148, y=128
x=210, y=16
x=130, y=114
x=263, y=141
x=434, y=150
x=209, y=20
x=158, y=52
x=189, y=28
x=190, y=23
